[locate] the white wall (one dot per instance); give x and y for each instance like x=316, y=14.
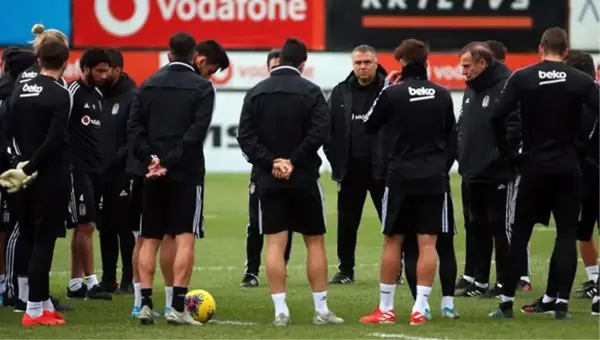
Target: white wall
x=221, y=150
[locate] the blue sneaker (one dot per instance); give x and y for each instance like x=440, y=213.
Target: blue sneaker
x=428, y=314
x=135, y=313
x=167, y=310
x=449, y=313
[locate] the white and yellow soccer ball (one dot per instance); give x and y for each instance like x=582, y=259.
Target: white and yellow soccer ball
x=200, y=304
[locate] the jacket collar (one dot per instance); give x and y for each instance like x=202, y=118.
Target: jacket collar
x=284, y=70
x=490, y=76
x=181, y=65
x=414, y=70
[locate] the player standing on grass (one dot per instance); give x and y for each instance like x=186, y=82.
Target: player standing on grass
x=422, y=116
x=84, y=141
x=37, y=120
x=356, y=158
x=254, y=238
x=167, y=127
x=114, y=229
x=284, y=122
x=551, y=95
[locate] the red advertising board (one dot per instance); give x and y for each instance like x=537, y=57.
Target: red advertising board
x=242, y=24
x=445, y=69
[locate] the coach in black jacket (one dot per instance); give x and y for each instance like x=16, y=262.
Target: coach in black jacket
x=489, y=182
x=355, y=157
x=115, y=231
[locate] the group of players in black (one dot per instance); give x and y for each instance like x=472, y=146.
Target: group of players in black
x=108, y=150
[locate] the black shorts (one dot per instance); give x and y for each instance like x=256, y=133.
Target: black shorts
x=85, y=197
x=114, y=205
x=588, y=214
x=171, y=208
x=538, y=196
x=490, y=202
x=42, y=205
x=406, y=213
x=135, y=203
x=300, y=210
x=6, y=218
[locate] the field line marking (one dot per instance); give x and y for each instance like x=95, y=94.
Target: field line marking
x=401, y=336
x=233, y=322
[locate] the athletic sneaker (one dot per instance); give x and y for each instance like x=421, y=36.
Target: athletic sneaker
x=60, y=307
x=109, y=287
x=380, y=317
x=20, y=306
x=524, y=286
x=539, y=307
x=596, y=308
x=181, y=318
x=587, y=290
x=125, y=289
x=166, y=311
x=561, y=311
x=146, y=316
x=326, y=319
x=473, y=291
x=450, y=313
x=77, y=294
x=282, y=320
x=495, y=292
x=418, y=318
x=341, y=279
x=46, y=319
x=463, y=284
x=504, y=311
x=249, y=281
x=135, y=313
x=97, y=293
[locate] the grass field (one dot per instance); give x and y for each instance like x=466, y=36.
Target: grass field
x=219, y=268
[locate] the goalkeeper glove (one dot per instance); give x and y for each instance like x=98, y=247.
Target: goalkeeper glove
x=16, y=179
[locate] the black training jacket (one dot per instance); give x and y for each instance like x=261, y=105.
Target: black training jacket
x=551, y=95
x=113, y=133
x=479, y=159
x=284, y=116
x=421, y=115
x=338, y=145
x=37, y=121
x=169, y=118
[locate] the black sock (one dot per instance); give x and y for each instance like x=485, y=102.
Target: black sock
x=147, y=297
x=178, y=297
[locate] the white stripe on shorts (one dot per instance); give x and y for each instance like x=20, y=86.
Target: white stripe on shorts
x=198, y=212
x=384, y=207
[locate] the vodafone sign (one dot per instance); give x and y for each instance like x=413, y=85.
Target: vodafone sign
x=234, y=23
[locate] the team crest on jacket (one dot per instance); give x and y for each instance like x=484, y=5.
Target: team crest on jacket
x=252, y=188
x=115, y=109
x=486, y=101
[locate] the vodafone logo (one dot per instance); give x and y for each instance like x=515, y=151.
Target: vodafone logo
x=224, y=77
x=118, y=27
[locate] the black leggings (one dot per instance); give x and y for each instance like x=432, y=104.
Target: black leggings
x=448, y=266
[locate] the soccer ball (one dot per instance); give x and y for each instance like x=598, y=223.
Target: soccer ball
x=200, y=304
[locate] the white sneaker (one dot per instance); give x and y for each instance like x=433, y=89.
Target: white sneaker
x=326, y=319
x=146, y=316
x=282, y=320
x=181, y=318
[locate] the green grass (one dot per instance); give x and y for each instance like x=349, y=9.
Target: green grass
x=219, y=269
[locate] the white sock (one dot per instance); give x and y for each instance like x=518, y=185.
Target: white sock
x=482, y=285
x=75, y=284
x=421, y=303
x=448, y=302
x=23, y=289
x=562, y=301
x=504, y=298
x=596, y=298
x=320, y=299
x=526, y=279
x=280, y=305
x=547, y=299
x=48, y=305
x=91, y=281
x=34, y=309
x=468, y=278
x=137, y=297
x=168, y=296
x=2, y=283
x=386, y=297
x=592, y=273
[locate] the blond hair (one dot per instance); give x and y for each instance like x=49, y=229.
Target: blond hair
x=43, y=35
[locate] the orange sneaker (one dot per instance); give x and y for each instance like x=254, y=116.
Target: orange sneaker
x=380, y=317
x=60, y=319
x=46, y=319
x=418, y=318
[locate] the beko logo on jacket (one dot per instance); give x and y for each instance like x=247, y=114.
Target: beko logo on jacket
x=86, y=120
x=421, y=93
x=32, y=88
x=30, y=74
x=552, y=75
x=201, y=10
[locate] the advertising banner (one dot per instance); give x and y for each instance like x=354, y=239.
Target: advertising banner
x=18, y=17
x=238, y=24
x=221, y=148
x=584, y=25
x=328, y=69
x=447, y=25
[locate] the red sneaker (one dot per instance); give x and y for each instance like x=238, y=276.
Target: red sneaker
x=380, y=317
x=46, y=319
x=59, y=317
x=418, y=318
